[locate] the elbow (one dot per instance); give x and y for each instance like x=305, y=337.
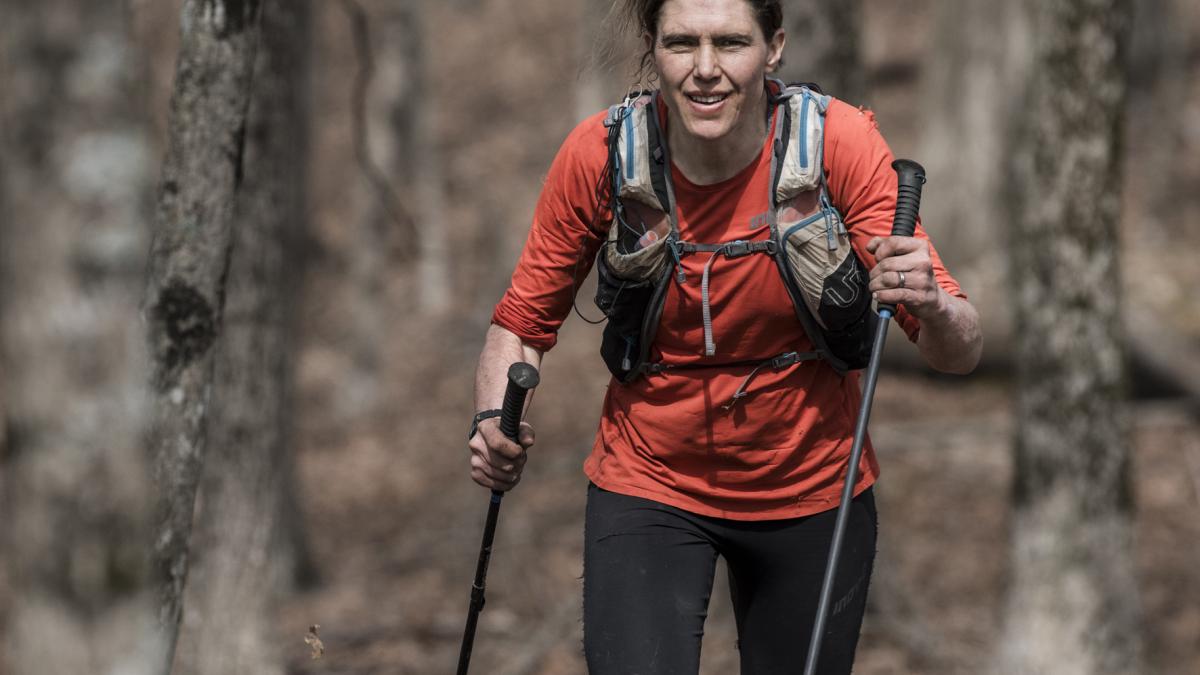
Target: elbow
x=964, y=366
x=961, y=361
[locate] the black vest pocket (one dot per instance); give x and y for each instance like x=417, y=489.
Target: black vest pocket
x=624, y=303
x=845, y=310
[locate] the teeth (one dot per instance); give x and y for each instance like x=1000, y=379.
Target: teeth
x=707, y=99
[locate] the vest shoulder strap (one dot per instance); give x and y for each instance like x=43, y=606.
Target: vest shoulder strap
x=640, y=159
x=798, y=148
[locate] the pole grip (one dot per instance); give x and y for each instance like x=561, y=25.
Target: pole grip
x=521, y=378
x=910, y=177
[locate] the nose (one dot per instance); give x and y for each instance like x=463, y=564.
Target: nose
x=706, y=65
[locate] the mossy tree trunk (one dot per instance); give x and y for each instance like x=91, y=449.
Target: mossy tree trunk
x=189, y=261
x=1072, y=606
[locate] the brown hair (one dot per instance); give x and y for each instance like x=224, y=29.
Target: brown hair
x=641, y=16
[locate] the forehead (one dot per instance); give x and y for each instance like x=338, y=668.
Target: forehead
x=706, y=16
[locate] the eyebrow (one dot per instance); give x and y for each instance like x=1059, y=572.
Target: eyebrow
x=685, y=37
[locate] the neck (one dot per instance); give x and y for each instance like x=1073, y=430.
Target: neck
x=706, y=161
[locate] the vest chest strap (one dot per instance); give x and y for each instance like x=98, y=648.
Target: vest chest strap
x=730, y=249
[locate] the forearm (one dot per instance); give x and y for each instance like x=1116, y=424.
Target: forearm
x=950, y=339
x=501, y=349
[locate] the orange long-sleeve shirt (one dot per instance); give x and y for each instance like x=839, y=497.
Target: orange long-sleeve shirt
x=781, y=451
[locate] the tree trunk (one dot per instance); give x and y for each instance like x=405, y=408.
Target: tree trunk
x=979, y=59
x=407, y=102
x=243, y=552
x=822, y=47
x=189, y=259
x=1072, y=606
x=74, y=185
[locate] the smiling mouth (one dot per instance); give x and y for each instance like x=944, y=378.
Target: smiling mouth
x=711, y=99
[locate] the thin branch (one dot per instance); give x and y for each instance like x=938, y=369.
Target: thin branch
x=376, y=177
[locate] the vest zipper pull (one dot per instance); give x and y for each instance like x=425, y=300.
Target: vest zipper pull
x=830, y=233
x=626, y=363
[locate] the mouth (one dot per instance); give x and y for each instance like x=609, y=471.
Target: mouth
x=707, y=100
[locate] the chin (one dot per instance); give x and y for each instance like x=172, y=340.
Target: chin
x=708, y=130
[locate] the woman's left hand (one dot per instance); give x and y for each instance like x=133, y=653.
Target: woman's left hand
x=903, y=275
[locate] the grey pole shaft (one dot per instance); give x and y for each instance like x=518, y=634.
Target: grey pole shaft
x=839, y=528
x=910, y=177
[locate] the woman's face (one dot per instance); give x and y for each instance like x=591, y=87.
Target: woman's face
x=711, y=57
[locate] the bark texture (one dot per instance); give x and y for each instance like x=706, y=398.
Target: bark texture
x=74, y=182
x=244, y=554
x=823, y=46
x=189, y=259
x=1072, y=605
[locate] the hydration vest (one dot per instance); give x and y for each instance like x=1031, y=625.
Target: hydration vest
x=807, y=238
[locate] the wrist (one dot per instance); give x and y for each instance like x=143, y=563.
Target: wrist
x=934, y=313
x=479, y=417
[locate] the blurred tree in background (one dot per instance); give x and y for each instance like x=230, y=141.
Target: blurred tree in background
x=1072, y=606
x=247, y=543
x=823, y=47
x=188, y=267
x=74, y=188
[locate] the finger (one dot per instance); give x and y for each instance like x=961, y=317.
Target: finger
x=893, y=281
x=497, y=442
x=496, y=473
x=891, y=296
x=505, y=464
x=888, y=281
x=896, y=246
x=488, y=482
x=526, y=435
x=917, y=262
x=874, y=244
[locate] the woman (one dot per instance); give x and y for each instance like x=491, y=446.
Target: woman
x=709, y=455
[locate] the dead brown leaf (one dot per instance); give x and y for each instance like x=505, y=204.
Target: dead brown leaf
x=314, y=642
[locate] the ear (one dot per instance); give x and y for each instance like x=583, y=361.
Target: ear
x=775, y=50
x=648, y=40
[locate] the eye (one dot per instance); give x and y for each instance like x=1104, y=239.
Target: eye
x=678, y=43
x=735, y=42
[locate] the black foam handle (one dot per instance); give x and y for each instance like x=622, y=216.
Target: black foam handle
x=521, y=378
x=908, y=196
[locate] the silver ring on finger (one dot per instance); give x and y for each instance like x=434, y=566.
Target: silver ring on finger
x=901, y=284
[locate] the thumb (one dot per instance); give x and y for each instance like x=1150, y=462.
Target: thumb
x=525, y=434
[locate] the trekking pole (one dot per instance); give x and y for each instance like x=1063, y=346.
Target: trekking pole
x=521, y=378
x=908, y=202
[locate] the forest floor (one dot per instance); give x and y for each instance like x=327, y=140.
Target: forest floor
x=395, y=528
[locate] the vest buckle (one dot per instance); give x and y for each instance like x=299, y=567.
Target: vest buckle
x=737, y=249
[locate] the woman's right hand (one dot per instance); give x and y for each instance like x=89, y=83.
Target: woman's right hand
x=496, y=462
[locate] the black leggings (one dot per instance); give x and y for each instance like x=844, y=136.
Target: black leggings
x=648, y=574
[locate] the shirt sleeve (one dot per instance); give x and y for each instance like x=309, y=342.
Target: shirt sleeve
x=568, y=227
x=862, y=186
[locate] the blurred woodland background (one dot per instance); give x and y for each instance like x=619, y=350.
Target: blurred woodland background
x=306, y=210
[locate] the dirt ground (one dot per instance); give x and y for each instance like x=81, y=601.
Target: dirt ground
x=396, y=525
